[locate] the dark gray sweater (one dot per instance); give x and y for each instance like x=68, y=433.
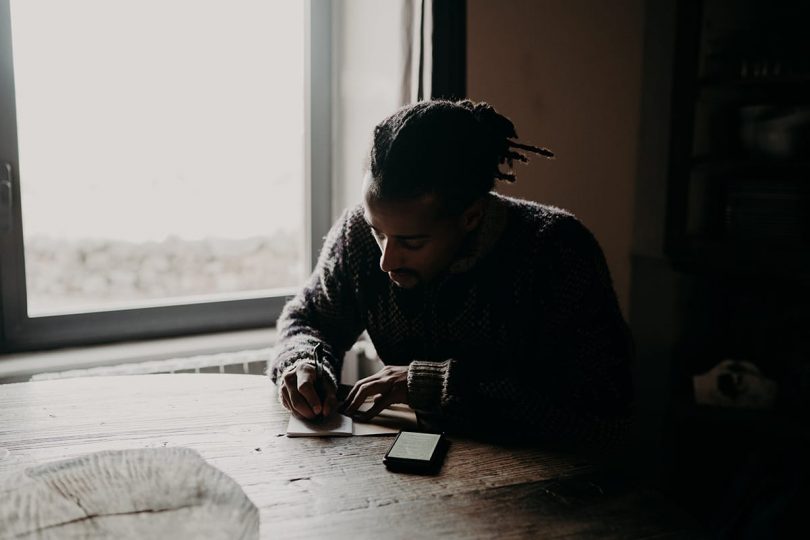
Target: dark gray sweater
x=521, y=337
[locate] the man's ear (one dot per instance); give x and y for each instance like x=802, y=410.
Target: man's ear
x=472, y=215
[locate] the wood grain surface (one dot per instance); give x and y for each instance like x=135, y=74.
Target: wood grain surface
x=327, y=487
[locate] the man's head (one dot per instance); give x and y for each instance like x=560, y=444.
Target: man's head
x=430, y=167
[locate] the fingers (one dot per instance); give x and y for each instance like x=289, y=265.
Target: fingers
x=330, y=401
x=380, y=403
x=289, y=404
x=299, y=393
x=284, y=395
x=390, y=383
x=298, y=404
x=356, y=388
x=306, y=389
x=360, y=392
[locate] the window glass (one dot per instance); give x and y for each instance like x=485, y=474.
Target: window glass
x=161, y=150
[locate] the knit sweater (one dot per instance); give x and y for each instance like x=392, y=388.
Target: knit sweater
x=521, y=336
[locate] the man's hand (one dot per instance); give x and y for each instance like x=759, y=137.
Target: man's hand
x=299, y=395
x=389, y=385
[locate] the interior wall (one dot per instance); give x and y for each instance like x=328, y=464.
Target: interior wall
x=568, y=74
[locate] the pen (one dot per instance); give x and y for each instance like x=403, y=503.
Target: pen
x=317, y=352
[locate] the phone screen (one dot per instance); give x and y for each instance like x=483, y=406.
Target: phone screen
x=411, y=445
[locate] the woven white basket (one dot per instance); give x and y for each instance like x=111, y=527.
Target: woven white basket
x=139, y=493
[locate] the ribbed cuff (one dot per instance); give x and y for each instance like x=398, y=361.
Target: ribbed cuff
x=426, y=384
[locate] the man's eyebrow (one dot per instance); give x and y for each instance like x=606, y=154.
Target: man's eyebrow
x=411, y=236
x=400, y=236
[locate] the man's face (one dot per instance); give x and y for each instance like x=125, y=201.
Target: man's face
x=416, y=241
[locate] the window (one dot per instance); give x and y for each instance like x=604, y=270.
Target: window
x=165, y=164
x=170, y=167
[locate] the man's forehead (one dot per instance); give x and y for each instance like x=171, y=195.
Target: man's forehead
x=406, y=217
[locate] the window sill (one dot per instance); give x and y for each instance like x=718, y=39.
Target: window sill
x=20, y=367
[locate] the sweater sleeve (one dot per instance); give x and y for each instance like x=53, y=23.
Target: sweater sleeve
x=568, y=379
x=324, y=311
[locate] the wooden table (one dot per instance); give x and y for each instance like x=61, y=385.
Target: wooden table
x=327, y=488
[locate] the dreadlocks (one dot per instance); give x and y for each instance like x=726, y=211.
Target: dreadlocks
x=453, y=149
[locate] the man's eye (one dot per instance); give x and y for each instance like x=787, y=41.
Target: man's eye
x=413, y=244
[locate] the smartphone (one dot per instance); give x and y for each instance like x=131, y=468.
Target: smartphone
x=416, y=452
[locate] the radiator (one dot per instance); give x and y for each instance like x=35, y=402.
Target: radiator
x=360, y=361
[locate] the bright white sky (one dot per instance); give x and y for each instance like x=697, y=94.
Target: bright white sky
x=141, y=119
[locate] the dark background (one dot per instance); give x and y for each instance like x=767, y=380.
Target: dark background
x=682, y=130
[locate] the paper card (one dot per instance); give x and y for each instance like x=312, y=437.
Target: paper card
x=388, y=422
x=336, y=425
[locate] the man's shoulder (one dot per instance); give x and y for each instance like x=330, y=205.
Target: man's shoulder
x=355, y=227
x=557, y=238
x=541, y=221
x=355, y=239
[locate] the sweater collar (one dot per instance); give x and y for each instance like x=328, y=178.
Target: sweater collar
x=484, y=238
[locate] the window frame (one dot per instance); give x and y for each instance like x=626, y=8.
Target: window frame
x=19, y=332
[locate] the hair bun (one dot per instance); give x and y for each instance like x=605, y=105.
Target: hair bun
x=484, y=112
x=493, y=123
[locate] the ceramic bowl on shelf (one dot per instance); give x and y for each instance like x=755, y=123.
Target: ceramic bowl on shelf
x=775, y=132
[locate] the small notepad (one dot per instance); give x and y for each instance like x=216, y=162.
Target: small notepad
x=336, y=425
x=388, y=422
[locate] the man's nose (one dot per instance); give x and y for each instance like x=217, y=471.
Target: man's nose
x=390, y=258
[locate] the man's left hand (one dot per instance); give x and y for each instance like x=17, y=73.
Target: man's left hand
x=389, y=385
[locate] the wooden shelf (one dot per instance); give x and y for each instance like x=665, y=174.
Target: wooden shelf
x=754, y=82
x=751, y=166
x=754, y=91
x=738, y=242
x=700, y=255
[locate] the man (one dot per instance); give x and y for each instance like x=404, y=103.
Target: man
x=494, y=316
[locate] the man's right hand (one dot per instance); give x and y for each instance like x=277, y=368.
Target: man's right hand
x=299, y=392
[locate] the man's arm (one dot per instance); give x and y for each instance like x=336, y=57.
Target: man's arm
x=570, y=380
x=325, y=311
